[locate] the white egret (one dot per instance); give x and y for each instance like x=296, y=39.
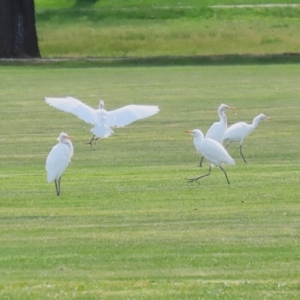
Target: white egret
x=217, y=129
x=101, y=119
x=238, y=131
x=58, y=160
x=212, y=150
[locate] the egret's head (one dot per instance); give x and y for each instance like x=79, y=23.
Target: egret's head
x=224, y=107
x=64, y=137
x=263, y=117
x=197, y=133
x=101, y=104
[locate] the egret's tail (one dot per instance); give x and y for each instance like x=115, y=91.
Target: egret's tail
x=50, y=177
x=231, y=161
x=102, y=132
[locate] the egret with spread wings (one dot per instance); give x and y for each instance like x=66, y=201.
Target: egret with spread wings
x=101, y=119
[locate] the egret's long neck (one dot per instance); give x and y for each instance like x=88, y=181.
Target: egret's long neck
x=70, y=145
x=255, y=123
x=101, y=104
x=252, y=126
x=223, y=118
x=198, y=137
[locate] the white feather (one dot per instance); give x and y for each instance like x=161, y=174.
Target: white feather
x=74, y=106
x=212, y=150
x=59, y=158
x=128, y=114
x=101, y=118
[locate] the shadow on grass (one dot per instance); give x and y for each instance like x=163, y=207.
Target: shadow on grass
x=84, y=3
x=85, y=9
x=232, y=59
x=96, y=15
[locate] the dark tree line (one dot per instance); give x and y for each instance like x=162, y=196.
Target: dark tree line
x=18, y=37
x=85, y=2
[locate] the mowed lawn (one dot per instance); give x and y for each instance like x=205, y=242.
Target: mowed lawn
x=127, y=224
x=150, y=28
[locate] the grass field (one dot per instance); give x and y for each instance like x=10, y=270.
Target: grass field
x=165, y=28
x=127, y=224
x=54, y=4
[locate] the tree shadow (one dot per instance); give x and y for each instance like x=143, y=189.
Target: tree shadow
x=84, y=3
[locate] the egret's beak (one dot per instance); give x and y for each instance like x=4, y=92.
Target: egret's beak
x=70, y=137
x=231, y=107
x=189, y=131
x=268, y=118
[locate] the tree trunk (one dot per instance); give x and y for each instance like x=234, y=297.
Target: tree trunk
x=18, y=38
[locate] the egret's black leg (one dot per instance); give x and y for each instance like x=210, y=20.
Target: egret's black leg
x=92, y=139
x=242, y=154
x=57, y=186
x=227, y=145
x=225, y=174
x=96, y=140
x=200, y=164
x=90, y=142
x=196, y=178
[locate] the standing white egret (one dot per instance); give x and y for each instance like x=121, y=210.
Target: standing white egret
x=217, y=129
x=101, y=119
x=58, y=160
x=213, y=151
x=238, y=131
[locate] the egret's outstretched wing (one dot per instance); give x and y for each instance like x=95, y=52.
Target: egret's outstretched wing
x=129, y=113
x=75, y=107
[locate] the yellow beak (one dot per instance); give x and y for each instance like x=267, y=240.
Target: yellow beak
x=231, y=107
x=189, y=131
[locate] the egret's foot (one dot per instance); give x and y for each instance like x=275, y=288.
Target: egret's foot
x=91, y=141
x=192, y=179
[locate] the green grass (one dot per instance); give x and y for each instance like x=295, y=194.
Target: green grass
x=190, y=38
x=127, y=224
x=138, y=29
x=42, y=4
